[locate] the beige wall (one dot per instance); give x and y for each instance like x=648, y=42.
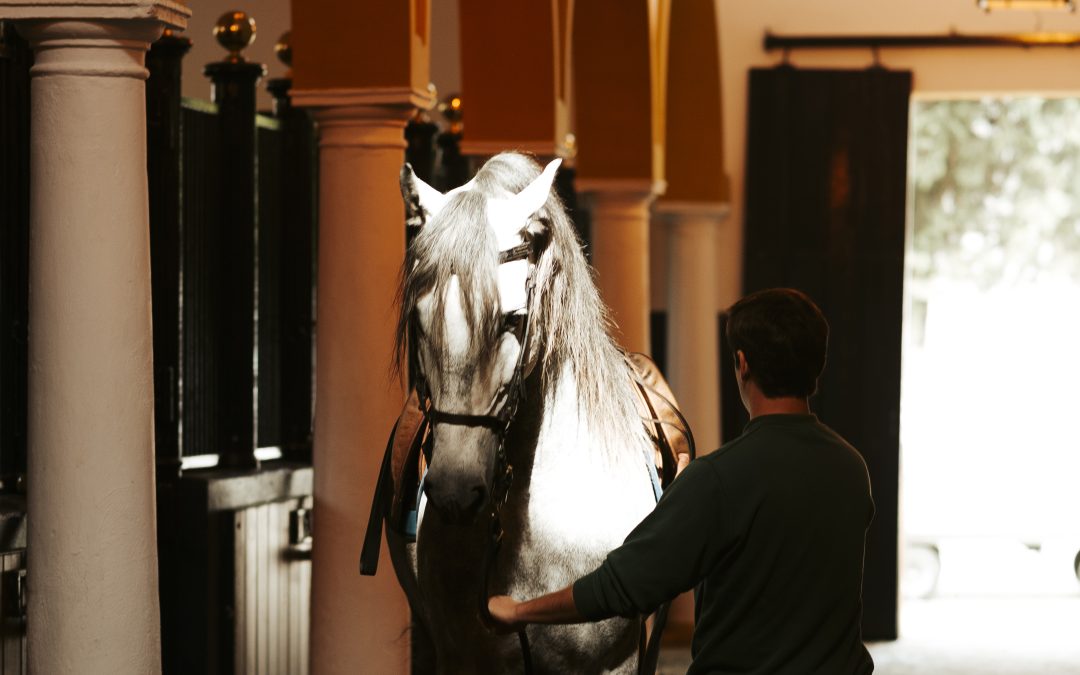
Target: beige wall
x=937, y=72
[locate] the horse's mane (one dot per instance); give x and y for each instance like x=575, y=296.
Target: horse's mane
x=567, y=314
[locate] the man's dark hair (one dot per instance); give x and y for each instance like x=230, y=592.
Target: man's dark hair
x=783, y=336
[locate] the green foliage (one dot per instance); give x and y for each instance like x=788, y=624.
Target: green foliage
x=996, y=189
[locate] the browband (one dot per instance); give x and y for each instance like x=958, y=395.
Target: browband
x=519, y=252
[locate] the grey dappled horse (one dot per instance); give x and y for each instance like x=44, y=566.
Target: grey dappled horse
x=512, y=350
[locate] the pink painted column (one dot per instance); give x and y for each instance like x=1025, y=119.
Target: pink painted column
x=358, y=624
x=620, y=254
x=92, y=550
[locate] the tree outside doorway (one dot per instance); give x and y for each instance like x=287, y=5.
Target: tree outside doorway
x=991, y=366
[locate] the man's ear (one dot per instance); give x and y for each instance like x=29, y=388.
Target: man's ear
x=742, y=368
x=422, y=202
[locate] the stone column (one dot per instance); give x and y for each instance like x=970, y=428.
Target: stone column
x=93, y=607
x=692, y=342
x=358, y=623
x=620, y=254
x=692, y=339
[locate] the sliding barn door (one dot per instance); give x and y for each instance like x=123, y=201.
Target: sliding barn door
x=826, y=177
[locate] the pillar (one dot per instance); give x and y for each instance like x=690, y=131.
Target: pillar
x=357, y=622
x=90, y=493
x=620, y=255
x=362, y=68
x=619, y=80
x=234, y=85
x=693, y=367
x=690, y=213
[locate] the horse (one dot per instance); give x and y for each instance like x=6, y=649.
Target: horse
x=538, y=463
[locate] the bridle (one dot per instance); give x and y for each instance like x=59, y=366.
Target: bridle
x=518, y=324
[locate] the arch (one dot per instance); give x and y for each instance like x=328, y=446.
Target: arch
x=505, y=109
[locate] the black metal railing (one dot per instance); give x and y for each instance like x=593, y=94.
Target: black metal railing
x=233, y=238
x=15, y=61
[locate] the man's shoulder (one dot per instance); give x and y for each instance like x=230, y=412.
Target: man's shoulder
x=731, y=450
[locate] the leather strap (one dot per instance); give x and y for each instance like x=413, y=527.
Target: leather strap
x=380, y=507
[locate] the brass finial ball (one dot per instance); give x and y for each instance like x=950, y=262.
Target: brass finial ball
x=283, y=48
x=235, y=31
x=450, y=107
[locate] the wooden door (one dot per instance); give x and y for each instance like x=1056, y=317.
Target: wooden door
x=826, y=179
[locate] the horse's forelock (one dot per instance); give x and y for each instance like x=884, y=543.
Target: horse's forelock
x=457, y=242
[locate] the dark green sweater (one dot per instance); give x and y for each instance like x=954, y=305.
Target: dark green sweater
x=771, y=530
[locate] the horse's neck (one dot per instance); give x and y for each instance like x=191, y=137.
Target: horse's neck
x=587, y=486
x=572, y=437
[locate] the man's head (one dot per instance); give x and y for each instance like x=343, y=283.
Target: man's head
x=778, y=338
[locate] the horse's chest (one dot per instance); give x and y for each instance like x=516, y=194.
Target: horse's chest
x=581, y=519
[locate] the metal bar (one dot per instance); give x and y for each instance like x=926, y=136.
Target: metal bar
x=164, y=174
x=774, y=42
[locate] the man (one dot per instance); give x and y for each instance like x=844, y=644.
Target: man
x=770, y=529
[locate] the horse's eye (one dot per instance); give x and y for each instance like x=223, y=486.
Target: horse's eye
x=512, y=322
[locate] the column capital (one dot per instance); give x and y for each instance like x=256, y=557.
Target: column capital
x=361, y=126
x=362, y=97
x=682, y=212
x=92, y=40
x=621, y=189
x=169, y=14
x=491, y=148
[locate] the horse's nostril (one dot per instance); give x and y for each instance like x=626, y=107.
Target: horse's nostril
x=479, y=494
x=458, y=505
x=431, y=488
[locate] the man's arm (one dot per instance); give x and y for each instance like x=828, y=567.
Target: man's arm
x=557, y=607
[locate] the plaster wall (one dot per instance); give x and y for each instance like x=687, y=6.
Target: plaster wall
x=938, y=72
x=446, y=47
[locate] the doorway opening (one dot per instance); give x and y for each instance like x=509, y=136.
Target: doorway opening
x=990, y=395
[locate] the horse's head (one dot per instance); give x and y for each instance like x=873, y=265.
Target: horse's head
x=465, y=308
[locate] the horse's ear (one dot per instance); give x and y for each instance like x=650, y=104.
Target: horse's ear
x=529, y=200
x=421, y=200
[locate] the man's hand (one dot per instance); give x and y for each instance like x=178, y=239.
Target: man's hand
x=683, y=462
x=509, y=615
x=503, y=610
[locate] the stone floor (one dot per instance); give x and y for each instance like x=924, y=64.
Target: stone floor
x=971, y=635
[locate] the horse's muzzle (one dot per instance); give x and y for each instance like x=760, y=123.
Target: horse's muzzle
x=455, y=503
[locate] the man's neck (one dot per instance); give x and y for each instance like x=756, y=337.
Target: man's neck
x=759, y=404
